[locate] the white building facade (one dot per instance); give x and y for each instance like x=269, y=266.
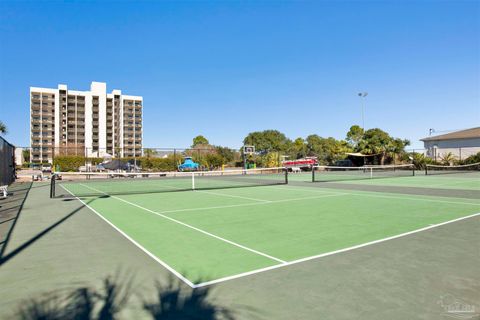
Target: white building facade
x=85, y=123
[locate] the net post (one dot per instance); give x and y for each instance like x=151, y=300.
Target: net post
x=286, y=175
x=193, y=180
x=426, y=169
x=371, y=173
x=52, y=186
x=413, y=169
x=313, y=174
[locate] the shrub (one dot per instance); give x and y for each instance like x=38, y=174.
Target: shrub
x=95, y=161
x=269, y=160
x=472, y=159
x=159, y=164
x=420, y=160
x=68, y=163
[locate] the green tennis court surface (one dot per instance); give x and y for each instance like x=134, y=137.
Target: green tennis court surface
x=466, y=181
x=208, y=236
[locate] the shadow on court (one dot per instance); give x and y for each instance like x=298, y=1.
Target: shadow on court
x=10, y=210
x=108, y=301
x=25, y=245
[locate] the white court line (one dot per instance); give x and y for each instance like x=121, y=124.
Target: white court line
x=219, y=194
x=207, y=283
x=232, y=196
x=151, y=255
x=240, y=275
x=190, y=226
x=254, y=204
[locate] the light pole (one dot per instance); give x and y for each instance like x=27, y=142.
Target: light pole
x=363, y=95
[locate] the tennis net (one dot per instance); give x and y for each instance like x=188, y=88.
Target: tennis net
x=333, y=174
x=431, y=169
x=76, y=184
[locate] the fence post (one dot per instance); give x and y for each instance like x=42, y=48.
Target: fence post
x=175, y=157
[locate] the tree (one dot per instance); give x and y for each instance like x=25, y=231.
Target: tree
x=214, y=160
x=396, y=147
x=448, y=159
x=420, y=160
x=199, y=140
x=376, y=141
x=269, y=160
x=227, y=154
x=26, y=155
x=117, y=152
x=327, y=150
x=3, y=128
x=267, y=140
x=149, y=152
x=298, y=148
x=354, y=135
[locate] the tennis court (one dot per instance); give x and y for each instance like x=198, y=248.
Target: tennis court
x=231, y=227
x=467, y=178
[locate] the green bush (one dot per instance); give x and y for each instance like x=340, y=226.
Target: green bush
x=169, y=163
x=269, y=160
x=472, y=159
x=214, y=160
x=420, y=161
x=26, y=164
x=95, y=161
x=68, y=163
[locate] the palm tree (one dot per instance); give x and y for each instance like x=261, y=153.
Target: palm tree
x=448, y=159
x=3, y=127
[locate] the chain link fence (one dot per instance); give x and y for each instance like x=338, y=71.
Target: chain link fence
x=7, y=162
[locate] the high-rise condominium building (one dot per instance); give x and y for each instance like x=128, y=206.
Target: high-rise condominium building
x=87, y=123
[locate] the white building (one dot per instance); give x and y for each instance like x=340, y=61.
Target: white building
x=461, y=144
x=88, y=123
x=19, y=159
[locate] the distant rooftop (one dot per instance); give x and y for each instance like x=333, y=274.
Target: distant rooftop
x=462, y=134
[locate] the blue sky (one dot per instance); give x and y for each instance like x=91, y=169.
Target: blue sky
x=224, y=69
